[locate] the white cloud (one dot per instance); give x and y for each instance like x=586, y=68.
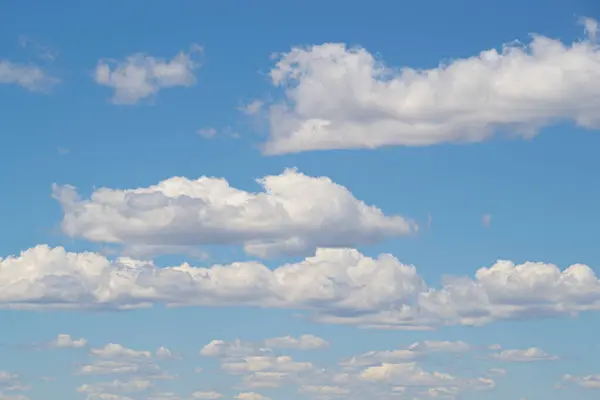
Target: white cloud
x=340, y=286
x=339, y=98
x=64, y=341
x=590, y=26
x=524, y=355
x=294, y=214
x=414, y=351
x=304, y=342
x=207, y=133
x=411, y=375
x=253, y=107
x=265, y=364
x=588, y=382
x=140, y=76
x=114, y=350
x=224, y=349
x=30, y=77
x=134, y=385
x=250, y=396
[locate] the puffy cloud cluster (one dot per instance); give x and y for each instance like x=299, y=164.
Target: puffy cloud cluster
x=588, y=381
x=414, y=351
x=139, y=76
x=337, y=285
x=337, y=97
x=294, y=214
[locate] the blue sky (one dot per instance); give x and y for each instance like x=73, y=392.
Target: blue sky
x=326, y=200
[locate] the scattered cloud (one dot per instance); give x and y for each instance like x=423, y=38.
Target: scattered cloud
x=588, y=382
x=140, y=76
x=524, y=355
x=590, y=26
x=335, y=97
x=207, y=133
x=28, y=76
x=64, y=341
x=253, y=107
x=293, y=215
x=304, y=342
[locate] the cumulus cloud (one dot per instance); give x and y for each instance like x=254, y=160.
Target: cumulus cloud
x=64, y=341
x=294, y=214
x=338, y=285
x=414, y=351
x=250, y=396
x=335, y=97
x=140, y=76
x=30, y=77
x=588, y=381
x=524, y=355
x=134, y=385
x=411, y=375
x=206, y=395
x=303, y=342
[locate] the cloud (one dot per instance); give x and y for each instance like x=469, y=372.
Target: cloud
x=207, y=133
x=253, y=107
x=30, y=77
x=304, y=342
x=64, y=341
x=339, y=286
x=250, y=396
x=412, y=352
x=134, y=385
x=114, y=350
x=486, y=220
x=411, y=375
x=588, y=382
x=140, y=76
x=294, y=214
x=590, y=26
x=335, y=97
x=524, y=355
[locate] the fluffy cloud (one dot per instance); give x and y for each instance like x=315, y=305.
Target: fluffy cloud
x=588, y=382
x=135, y=385
x=524, y=355
x=250, y=396
x=64, y=341
x=411, y=375
x=294, y=214
x=414, y=351
x=337, y=97
x=304, y=342
x=30, y=77
x=338, y=285
x=206, y=395
x=140, y=75
x=114, y=350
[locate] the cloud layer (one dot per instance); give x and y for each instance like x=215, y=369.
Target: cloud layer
x=294, y=214
x=337, y=97
x=337, y=285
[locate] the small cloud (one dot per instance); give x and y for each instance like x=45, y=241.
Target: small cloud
x=590, y=26
x=429, y=221
x=63, y=150
x=252, y=108
x=40, y=50
x=207, y=133
x=486, y=220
